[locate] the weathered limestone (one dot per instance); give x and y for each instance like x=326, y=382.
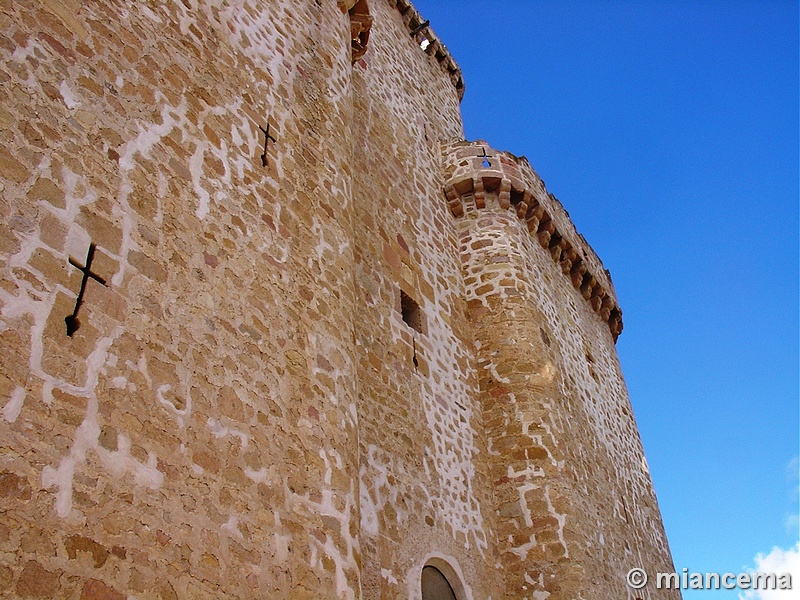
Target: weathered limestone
x=322, y=344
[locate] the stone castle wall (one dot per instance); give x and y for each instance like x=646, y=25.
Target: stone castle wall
x=318, y=344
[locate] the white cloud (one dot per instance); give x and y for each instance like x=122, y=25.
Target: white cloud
x=778, y=561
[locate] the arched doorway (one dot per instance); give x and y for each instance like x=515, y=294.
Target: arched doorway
x=435, y=585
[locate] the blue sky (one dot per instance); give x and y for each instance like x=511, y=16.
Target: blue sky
x=669, y=130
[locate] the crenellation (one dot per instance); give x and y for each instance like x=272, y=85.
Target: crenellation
x=429, y=43
x=503, y=176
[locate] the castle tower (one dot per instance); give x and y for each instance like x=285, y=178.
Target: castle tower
x=573, y=499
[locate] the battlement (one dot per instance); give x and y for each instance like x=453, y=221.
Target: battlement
x=473, y=171
x=418, y=28
x=429, y=42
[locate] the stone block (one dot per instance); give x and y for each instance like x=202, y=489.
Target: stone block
x=11, y=168
x=37, y=582
x=94, y=589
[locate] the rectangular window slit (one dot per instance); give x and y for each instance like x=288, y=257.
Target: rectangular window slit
x=411, y=312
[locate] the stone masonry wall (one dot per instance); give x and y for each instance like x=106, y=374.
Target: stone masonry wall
x=424, y=484
x=196, y=436
x=270, y=329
